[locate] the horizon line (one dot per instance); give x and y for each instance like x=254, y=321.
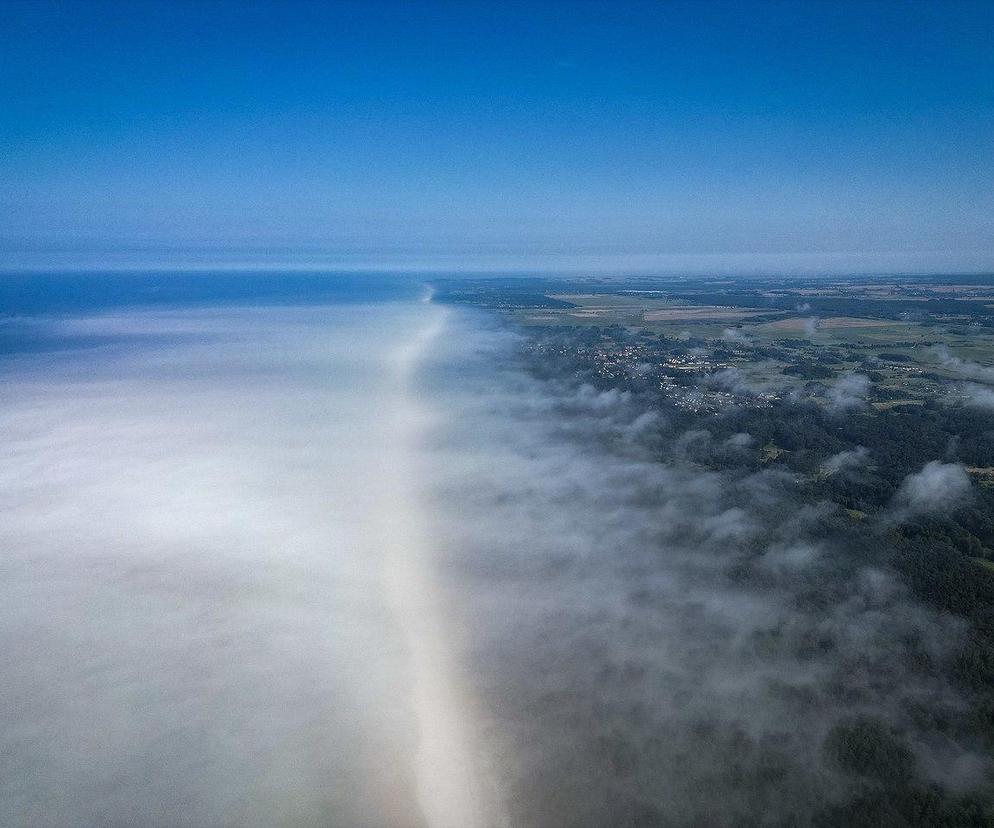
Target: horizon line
x=816, y=263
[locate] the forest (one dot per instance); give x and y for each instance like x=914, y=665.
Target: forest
x=851, y=468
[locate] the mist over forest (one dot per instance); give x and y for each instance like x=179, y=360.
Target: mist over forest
x=665, y=634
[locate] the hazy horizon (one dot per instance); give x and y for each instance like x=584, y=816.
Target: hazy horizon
x=119, y=260
x=760, y=135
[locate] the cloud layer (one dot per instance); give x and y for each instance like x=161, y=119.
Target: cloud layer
x=203, y=513
x=194, y=616
x=654, y=642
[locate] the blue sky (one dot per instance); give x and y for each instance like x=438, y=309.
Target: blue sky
x=749, y=136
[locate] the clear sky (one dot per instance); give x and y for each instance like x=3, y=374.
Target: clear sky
x=746, y=136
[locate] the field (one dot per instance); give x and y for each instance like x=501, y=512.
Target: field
x=915, y=339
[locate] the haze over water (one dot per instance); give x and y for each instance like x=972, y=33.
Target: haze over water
x=218, y=599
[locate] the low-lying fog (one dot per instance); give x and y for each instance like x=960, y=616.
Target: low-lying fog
x=349, y=565
x=209, y=521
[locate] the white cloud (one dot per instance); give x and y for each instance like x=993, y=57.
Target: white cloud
x=963, y=367
x=846, y=460
x=937, y=488
x=735, y=335
x=977, y=396
x=849, y=393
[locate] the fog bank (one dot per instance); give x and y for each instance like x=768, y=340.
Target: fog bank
x=216, y=601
